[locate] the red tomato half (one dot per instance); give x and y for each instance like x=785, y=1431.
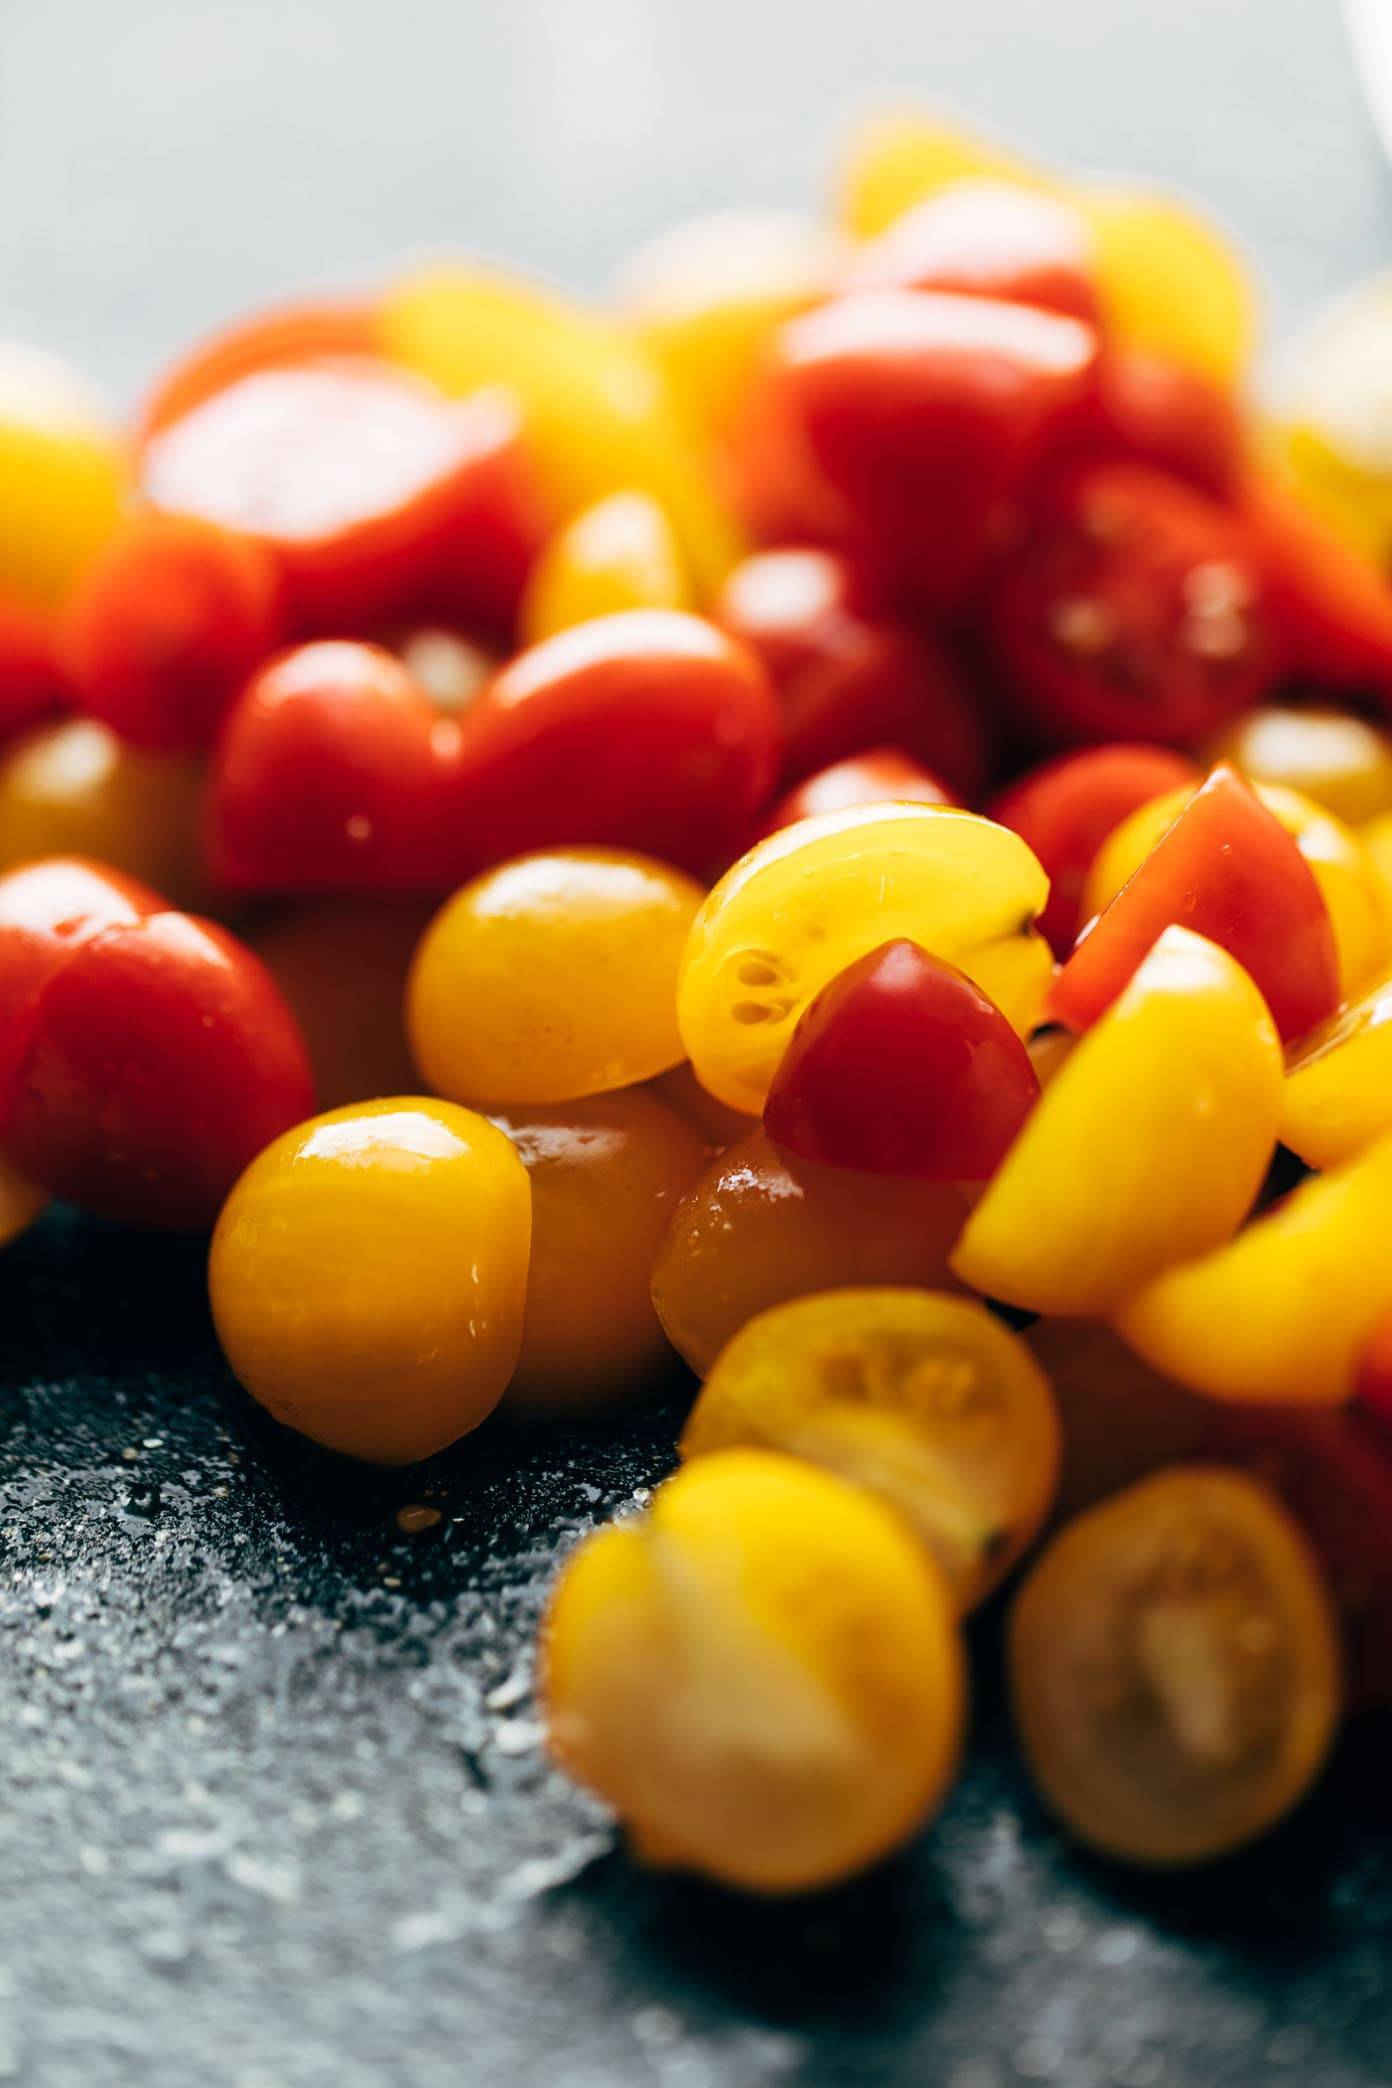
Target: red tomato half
x=1135, y=608
x=902, y=1066
x=286, y=334
x=378, y=497
x=648, y=730
x=986, y=239
x=334, y=773
x=1066, y=808
x=32, y=683
x=881, y=776
x=160, y=1059
x=1228, y=869
x=923, y=413
x=846, y=675
x=166, y=626
x=1334, y=604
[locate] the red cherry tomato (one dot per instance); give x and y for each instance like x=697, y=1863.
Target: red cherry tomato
x=647, y=730
x=334, y=773
x=286, y=334
x=167, y=625
x=32, y=682
x=1228, y=869
x=1135, y=608
x=881, y=776
x=159, y=1060
x=1334, y=605
x=378, y=497
x=922, y=413
x=1333, y=1470
x=902, y=1066
x=1066, y=808
x=846, y=675
x=986, y=239
x=1157, y=412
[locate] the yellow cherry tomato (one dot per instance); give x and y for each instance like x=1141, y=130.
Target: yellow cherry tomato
x=61, y=474
x=815, y=896
x=368, y=1275
x=21, y=1202
x=761, y=1226
x=1334, y=759
x=1170, y=281
x=342, y=967
x=926, y=1399
x=718, y=1124
x=75, y=789
x=1341, y=866
x=550, y=977
x=1282, y=1313
x=894, y=158
x=598, y=413
x=1121, y=1420
x=1376, y=839
x=619, y=554
x=1338, y=1094
x=763, y=1677
x=1148, y=1145
x=708, y=296
x=1175, y=1668
x=607, y=1173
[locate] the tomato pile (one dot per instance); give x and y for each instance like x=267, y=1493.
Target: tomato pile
x=834, y=818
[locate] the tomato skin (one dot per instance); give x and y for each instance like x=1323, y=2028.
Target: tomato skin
x=1066, y=808
x=159, y=1060
x=305, y=331
x=32, y=681
x=882, y=775
x=1334, y=604
x=167, y=624
x=333, y=773
x=648, y=730
x=902, y=1066
x=847, y=675
x=1136, y=607
x=377, y=498
x=1153, y=411
x=922, y=413
x=1228, y=870
x=986, y=239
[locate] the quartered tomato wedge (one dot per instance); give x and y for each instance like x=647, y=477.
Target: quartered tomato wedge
x=1228, y=870
x=1135, y=608
x=986, y=239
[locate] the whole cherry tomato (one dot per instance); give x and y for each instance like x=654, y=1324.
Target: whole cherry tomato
x=167, y=624
x=648, y=730
x=334, y=773
x=920, y=415
x=986, y=239
x=1066, y=808
x=283, y=335
x=154, y=1063
x=32, y=682
x=377, y=497
x=1333, y=604
x=1135, y=608
x=846, y=674
x=881, y=776
x=1153, y=411
x=902, y=1066
x=1228, y=870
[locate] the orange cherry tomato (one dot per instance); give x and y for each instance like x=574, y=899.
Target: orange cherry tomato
x=266, y=340
x=986, y=239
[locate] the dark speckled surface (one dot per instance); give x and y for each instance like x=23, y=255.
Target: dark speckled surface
x=273, y=1811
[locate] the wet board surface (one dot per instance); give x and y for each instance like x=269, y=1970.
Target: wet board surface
x=273, y=1808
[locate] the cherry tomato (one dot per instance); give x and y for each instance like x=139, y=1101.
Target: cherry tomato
x=1134, y=608
x=342, y=967
x=552, y=976
x=306, y=332
x=73, y=788
x=334, y=773
x=1228, y=869
x=649, y=730
x=922, y=413
x=1338, y=1093
x=622, y=553
x=847, y=675
x=368, y=1273
x=376, y=497
x=47, y=909
x=62, y=473
x=1331, y=756
x=894, y=157
x=607, y=1172
x=1155, y=411
x=761, y=1226
x=1066, y=808
x=986, y=239
x=1121, y=1420
x=1175, y=1668
x=881, y=776
x=166, y=625
x=155, y=1062
x=925, y=1399
x=1334, y=605
x=902, y=1066
x=1170, y=280
x=32, y=682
